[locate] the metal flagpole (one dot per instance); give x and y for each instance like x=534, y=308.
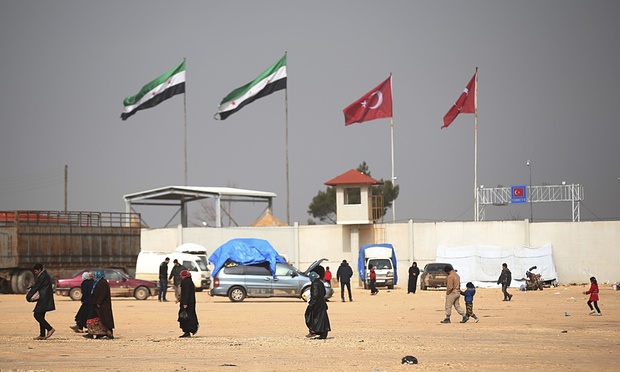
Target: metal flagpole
x=288, y=211
x=185, y=123
x=476, y=149
x=392, y=142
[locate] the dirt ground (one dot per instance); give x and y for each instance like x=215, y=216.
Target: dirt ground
x=372, y=333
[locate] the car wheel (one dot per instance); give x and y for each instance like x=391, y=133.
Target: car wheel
x=422, y=286
x=141, y=293
x=236, y=294
x=25, y=280
x=390, y=287
x=75, y=294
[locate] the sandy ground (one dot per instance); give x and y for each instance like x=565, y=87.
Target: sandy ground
x=372, y=333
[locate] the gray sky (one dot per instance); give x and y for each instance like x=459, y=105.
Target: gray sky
x=548, y=87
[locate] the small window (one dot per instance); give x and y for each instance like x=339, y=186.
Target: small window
x=189, y=265
x=234, y=270
x=258, y=269
x=282, y=270
x=112, y=275
x=352, y=195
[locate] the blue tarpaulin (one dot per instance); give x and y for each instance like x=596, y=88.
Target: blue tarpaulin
x=245, y=251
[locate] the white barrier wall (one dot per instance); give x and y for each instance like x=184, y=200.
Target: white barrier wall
x=580, y=249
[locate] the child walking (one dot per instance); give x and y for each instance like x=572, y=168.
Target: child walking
x=469, y=294
x=593, y=292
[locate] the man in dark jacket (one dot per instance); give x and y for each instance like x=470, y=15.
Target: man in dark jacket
x=163, y=280
x=45, y=303
x=343, y=275
x=175, y=275
x=504, y=279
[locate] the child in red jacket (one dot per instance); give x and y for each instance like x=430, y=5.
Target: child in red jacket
x=593, y=292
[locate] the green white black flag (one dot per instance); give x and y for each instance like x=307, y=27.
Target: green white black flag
x=272, y=80
x=152, y=94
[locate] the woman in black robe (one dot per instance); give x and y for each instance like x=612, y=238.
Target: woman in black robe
x=316, y=313
x=102, y=309
x=414, y=273
x=82, y=315
x=188, y=324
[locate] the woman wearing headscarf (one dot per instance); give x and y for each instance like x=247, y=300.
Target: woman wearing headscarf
x=82, y=315
x=45, y=302
x=102, y=309
x=188, y=324
x=317, y=307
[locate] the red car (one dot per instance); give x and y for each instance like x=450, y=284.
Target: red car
x=121, y=285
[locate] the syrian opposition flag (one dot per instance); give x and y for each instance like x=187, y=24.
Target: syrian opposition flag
x=152, y=94
x=272, y=80
x=376, y=104
x=466, y=104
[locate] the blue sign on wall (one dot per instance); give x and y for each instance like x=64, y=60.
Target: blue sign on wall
x=519, y=194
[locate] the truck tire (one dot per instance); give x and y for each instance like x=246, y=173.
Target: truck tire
x=141, y=293
x=14, y=282
x=25, y=280
x=75, y=294
x=236, y=294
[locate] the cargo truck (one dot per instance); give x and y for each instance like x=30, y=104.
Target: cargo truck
x=383, y=258
x=64, y=242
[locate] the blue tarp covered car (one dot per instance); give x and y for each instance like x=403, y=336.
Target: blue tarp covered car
x=245, y=251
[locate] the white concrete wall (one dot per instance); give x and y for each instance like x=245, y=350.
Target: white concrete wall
x=580, y=249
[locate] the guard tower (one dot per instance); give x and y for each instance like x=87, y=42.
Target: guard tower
x=357, y=208
x=355, y=204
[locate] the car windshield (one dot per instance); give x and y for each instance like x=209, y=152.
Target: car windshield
x=380, y=263
x=435, y=268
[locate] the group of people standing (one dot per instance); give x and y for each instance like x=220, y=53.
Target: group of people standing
x=95, y=316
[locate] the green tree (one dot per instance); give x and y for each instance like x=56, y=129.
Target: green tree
x=323, y=205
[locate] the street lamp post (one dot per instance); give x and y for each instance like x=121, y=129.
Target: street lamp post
x=529, y=165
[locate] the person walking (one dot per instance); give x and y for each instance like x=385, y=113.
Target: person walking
x=372, y=282
x=469, y=294
x=328, y=276
x=343, y=275
x=453, y=294
x=414, y=272
x=505, y=278
x=45, y=301
x=101, y=322
x=163, y=280
x=175, y=275
x=593, y=292
x=316, y=316
x=189, y=323
x=82, y=315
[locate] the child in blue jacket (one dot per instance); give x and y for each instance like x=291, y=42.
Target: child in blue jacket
x=469, y=294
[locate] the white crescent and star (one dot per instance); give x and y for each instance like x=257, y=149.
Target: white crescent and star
x=379, y=100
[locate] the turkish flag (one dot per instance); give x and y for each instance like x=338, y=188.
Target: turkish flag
x=519, y=192
x=466, y=104
x=376, y=104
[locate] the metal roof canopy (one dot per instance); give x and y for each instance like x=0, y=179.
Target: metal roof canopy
x=181, y=195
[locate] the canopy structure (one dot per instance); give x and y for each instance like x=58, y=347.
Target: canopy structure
x=180, y=196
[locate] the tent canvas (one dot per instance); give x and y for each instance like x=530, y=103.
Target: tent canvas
x=482, y=264
x=245, y=251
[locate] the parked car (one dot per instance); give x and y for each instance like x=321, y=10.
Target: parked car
x=241, y=281
x=121, y=285
x=433, y=275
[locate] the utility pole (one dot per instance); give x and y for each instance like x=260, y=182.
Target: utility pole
x=66, y=184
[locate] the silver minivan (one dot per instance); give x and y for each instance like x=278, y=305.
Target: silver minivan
x=240, y=281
